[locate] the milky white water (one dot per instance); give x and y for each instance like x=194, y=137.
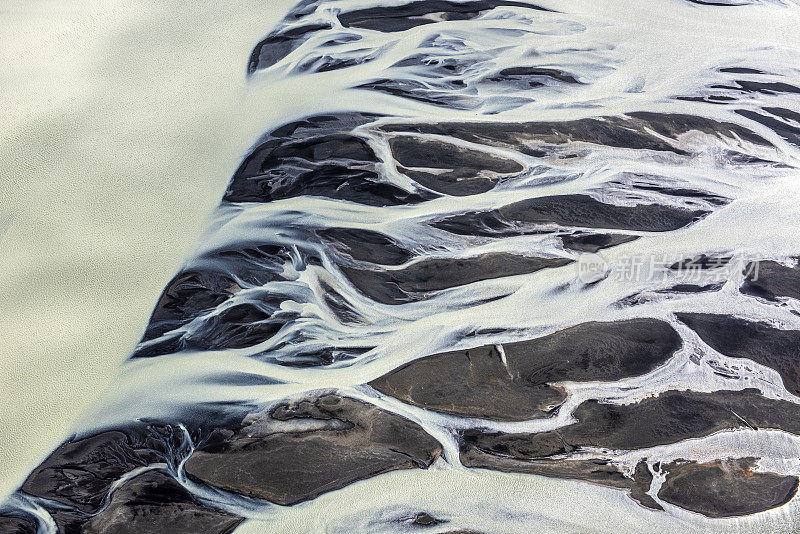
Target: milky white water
x=629, y=56
x=121, y=125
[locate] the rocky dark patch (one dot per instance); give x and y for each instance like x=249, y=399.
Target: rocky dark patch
x=199, y=288
x=783, y=113
x=642, y=479
x=435, y=274
x=569, y=210
x=326, y=166
x=236, y=326
x=201, y=293
x=708, y=99
x=725, y=3
x=327, y=63
x=342, y=38
x=16, y=525
x=583, y=210
x=340, y=306
x=253, y=264
x=671, y=417
x=770, y=280
x=433, y=67
x=674, y=124
x=331, y=440
x=479, y=383
x=155, y=503
x=413, y=14
x=466, y=172
x=484, y=224
x=738, y=338
x=673, y=291
x=318, y=357
x=529, y=138
x=725, y=488
x=300, y=349
x=586, y=242
x=366, y=245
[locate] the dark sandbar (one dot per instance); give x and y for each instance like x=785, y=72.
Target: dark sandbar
x=476, y=382
x=738, y=338
x=725, y=488
x=435, y=274
x=770, y=279
x=568, y=210
x=302, y=449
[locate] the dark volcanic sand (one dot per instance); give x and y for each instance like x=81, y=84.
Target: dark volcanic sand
x=280, y=43
x=466, y=172
x=15, y=525
x=435, y=274
x=770, y=279
x=476, y=383
x=671, y=417
x=366, y=245
x=319, y=157
x=584, y=242
x=738, y=338
x=154, y=503
x=569, y=210
x=302, y=449
x=632, y=132
x=296, y=250
x=332, y=440
x=403, y=17
x=80, y=474
x=596, y=470
x=668, y=418
x=725, y=488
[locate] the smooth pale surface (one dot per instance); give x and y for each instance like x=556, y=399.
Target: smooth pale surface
x=121, y=125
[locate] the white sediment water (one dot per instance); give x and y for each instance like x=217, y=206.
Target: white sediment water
x=628, y=55
x=121, y=125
